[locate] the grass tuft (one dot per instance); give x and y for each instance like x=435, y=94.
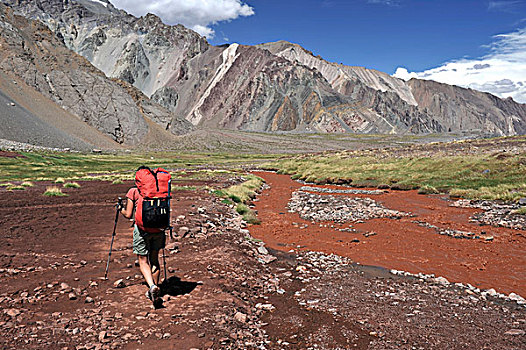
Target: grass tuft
x=426, y=189
x=71, y=185
x=60, y=180
x=15, y=188
x=54, y=191
x=27, y=184
x=520, y=211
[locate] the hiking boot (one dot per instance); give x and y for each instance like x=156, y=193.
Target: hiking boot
x=155, y=294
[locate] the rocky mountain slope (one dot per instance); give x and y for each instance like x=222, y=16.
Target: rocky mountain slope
x=273, y=87
x=452, y=107
x=32, y=54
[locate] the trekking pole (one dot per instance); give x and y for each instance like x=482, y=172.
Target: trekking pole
x=113, y=237
x=164, y=263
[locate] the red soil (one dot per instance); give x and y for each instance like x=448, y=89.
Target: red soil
x=401, y=244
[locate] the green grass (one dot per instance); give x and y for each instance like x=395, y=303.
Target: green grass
x=71, y=185
x=15, y=188
x=245, y=191
x=483, y=176
x=520, y=211
x=50, y=166
x=54, y=191
x=243, y=194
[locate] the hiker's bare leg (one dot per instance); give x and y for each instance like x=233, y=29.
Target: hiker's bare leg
x=145, y=269
x=156, y=269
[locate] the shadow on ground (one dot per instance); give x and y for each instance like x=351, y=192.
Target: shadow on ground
x=174, y=286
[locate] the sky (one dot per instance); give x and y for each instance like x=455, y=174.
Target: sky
x=478, y=44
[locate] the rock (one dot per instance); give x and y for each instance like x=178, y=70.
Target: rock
x=301, y=269
x=491, y=292
x=262, y=250
x=89, y=300
x=119, y=283
x=102, y=336
x=183, y=231
x=72, y=296
x=515, y=332
x=12, y=312
x=442, y=280
x=240, y=317
x=266, y=259
x=266, y=307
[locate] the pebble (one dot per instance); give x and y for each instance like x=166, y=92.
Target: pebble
x=119, y=283
x=240, y=317
x=515, y=332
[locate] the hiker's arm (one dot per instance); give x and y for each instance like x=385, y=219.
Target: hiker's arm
x=128, y=210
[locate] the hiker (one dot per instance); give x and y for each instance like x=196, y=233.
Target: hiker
x=151, y=204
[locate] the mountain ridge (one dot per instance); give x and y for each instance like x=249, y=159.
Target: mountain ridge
x=271, y=87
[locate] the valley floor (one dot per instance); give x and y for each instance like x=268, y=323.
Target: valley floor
x=224, y=288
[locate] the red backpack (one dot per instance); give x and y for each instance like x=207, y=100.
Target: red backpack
x=153, y=207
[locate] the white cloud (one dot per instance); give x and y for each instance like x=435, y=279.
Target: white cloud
x=198, y=15
x=502, y=72
x=504, y=5
x=385, y=2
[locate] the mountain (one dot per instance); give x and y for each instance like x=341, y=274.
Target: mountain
x=273, y=87
x=36, y=57
x=454, y=108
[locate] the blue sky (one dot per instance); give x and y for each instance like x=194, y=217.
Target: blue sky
x=417, y=34
x=430, y=39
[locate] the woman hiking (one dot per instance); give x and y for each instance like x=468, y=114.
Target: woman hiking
x=150, y=202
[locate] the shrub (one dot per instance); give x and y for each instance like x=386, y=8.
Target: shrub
x=54, y=191
x=71, y=185
x=117, y=182
x=27, y=184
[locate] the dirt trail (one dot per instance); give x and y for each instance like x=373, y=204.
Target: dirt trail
x=401, y=244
